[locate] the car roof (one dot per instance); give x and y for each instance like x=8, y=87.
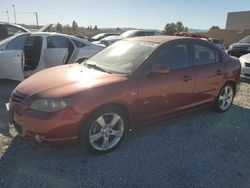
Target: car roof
x=14, y=25
x=59, y=34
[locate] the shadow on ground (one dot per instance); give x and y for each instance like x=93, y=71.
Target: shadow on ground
x=200, y=149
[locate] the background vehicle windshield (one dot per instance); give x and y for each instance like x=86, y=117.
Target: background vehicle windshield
x=123, y=56
x=245, y=39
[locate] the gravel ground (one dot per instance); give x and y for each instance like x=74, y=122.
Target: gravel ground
x=200, y=149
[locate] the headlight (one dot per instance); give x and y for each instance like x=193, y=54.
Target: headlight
x=230, y=47
x=49, y=105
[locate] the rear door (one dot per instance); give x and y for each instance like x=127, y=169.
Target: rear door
x=59, y=51
x=12, y=59
x=209, y=70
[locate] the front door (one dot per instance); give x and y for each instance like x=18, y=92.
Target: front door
x=12, y=59
x=163, y=93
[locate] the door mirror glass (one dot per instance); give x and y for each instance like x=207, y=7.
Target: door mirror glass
x=159, y=69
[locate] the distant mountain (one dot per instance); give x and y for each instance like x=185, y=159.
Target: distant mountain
x=197, y=30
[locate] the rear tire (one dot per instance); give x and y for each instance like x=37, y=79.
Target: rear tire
x=225, y=98
x=104, y=130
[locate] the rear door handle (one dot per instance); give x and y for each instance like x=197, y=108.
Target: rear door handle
x=218, y=72
x=186, y=78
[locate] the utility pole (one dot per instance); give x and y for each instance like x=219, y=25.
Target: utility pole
x=37, y=25
x=7, y=12
x=14, y=12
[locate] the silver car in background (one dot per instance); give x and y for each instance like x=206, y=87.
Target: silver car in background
x=245, y=66
x=25, y=54
x=128, y=34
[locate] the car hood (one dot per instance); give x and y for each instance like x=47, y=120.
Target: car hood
x=65, y=80
x=241, y=45
x=45, y=28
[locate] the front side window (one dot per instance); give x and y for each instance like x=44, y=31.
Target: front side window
x=203, y=55
x=57, y=42
x=173, y=56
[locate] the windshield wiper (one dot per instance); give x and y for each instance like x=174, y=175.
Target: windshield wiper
x=94, y=66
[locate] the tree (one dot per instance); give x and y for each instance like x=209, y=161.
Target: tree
x=214, y=27
x=95, y=28
x=117, y=29
x=59, y=28
x=172, y=28
x=74, y=27
x=180, y=27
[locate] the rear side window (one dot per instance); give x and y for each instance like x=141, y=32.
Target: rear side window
x=140, y=33
x=173, y=56
x=17, y=43
x=78, y=43
x=150, y=33
x=203, y=55
x=57, y=42
x=3, y=33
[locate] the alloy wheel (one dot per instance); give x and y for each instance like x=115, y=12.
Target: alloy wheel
x=226, y=97
x=106, y=131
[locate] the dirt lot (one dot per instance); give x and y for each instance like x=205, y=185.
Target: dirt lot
x=200, y=149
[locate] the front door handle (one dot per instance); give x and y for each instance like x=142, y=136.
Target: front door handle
x=186, y=78
x=218, y=72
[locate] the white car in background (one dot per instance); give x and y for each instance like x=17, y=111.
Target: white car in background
x=245, y=66
x=128, y=34
x=25, y=54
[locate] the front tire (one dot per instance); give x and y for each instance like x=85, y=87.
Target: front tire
x=104, y=130
x=225, y=98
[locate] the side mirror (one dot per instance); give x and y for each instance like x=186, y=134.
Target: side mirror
x=159, y=69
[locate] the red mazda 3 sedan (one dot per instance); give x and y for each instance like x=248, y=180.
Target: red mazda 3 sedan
x=133, y=82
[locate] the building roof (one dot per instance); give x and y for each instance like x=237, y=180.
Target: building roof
x=238, y=20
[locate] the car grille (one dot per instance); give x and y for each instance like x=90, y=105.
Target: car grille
x=17, y=98
x=247, y=64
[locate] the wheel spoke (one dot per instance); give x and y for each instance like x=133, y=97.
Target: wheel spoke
x=223, y=104
x=222, y=97
x=95, y=137
x=230, y=94
x=226, y=90
x=105, y=142
x=115, y=119
x=101, y=122
x=117, y=133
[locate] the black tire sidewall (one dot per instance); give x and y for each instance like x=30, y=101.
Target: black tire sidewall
x=84, y=132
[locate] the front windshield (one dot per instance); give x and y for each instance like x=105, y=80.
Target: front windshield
x=122, y=57
x=245, y=39
x=7, y=40
x=128, y=34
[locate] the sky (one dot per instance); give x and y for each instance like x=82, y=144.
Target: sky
x=147, y=14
